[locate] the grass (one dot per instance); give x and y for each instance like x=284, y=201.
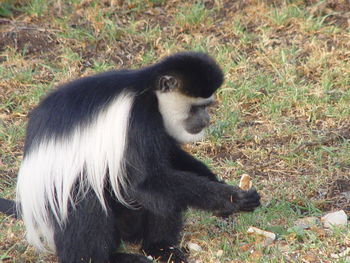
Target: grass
x=193, y=15
x=283, y=114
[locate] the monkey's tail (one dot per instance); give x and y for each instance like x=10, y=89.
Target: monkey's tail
x=8, y=207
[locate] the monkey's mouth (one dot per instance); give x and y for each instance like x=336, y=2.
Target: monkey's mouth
x=195, y=130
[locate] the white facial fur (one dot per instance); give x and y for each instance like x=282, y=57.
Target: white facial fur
x=175, y=107
x=52, y=168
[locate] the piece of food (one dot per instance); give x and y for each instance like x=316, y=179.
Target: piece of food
x=245, y=183
x=260, y=232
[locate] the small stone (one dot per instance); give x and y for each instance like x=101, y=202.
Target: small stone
x=258, y=231
x=194, y=247
x=338, y=218
x=219, y=253
x=306, y=222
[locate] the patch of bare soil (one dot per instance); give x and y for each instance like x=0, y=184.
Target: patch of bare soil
x=336, y=12
x=231, y=7
x=339, y=193
x=28, y=38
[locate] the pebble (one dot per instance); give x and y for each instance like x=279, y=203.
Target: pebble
x=194, y=247
x=338, y=218
x=267, y=234
x=219, y=253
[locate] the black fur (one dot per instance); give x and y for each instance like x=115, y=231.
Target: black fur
x=200, y=74
x=8, y=207
x=164, y=179
x=78, y=101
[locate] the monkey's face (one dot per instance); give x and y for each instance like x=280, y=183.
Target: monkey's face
x=185, y=118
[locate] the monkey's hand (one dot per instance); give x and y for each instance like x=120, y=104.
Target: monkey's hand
x=248, y=200
x=237, y=199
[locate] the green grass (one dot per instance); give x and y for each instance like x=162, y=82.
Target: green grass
x=36, y=7
x=193, y=15
x=282, y=114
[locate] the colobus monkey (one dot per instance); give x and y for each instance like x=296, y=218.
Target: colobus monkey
x=103, y=163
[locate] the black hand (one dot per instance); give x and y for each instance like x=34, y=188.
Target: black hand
x=235, y=199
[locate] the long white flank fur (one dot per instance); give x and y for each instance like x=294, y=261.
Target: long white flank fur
x=50, y=171
x=174, y=107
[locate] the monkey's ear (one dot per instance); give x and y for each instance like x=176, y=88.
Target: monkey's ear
x=168, y=83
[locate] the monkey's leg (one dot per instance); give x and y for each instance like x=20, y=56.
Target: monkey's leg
x=161, y=237
x=89, y=234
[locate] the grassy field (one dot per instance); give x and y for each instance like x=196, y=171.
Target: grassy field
x=283, y=115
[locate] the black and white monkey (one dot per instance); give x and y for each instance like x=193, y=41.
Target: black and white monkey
x=103, y=163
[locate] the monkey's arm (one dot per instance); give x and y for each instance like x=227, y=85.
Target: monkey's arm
x=183, y=161
x=166, y=192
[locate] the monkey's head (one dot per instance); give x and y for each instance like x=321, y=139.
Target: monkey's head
x=185, y=87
